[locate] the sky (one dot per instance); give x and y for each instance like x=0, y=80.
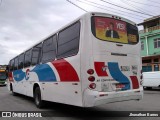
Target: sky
x=25, y=22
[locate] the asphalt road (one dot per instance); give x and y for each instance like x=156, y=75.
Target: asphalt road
x=150, y=102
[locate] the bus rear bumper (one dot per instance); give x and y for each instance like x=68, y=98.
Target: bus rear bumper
x=94, y=98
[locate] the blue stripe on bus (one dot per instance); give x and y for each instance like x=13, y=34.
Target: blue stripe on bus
x=118, y=75
x=18, y=75
x=44, y=73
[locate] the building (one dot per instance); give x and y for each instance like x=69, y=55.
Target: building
x=150, y=44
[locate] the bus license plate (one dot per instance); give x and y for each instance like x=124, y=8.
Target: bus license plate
x=120, y=85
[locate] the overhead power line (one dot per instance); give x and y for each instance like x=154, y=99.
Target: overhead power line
x=76, y=5
x=109, y=10
x=154, y=1
x=143, y=3
x=113, y=8
x=126, y=8
x=134, y=6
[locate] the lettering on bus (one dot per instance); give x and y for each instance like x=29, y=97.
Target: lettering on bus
x=120, y=26
x=125, y=68
x=103, y=80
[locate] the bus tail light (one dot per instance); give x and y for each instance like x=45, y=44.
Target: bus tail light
x=92, y=85
x=91, y=78
x=90, y=71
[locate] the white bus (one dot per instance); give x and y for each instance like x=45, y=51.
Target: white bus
x=92, y=61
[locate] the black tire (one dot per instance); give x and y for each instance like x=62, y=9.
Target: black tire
x=13, y=93
x=148, y=88
x=37, y=98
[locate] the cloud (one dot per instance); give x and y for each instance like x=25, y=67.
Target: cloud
x=5, y=54
x=25, y=22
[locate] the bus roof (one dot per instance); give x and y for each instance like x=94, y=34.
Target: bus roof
x=113, y=16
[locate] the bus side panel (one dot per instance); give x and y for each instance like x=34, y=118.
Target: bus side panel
x=22, y=81
x=86, y=57
x=59, y=81
x=67, y=86
x=30, y=79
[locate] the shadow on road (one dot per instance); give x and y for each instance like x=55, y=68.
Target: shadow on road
x=63, y=110
x=2, y=85
x=52, y=109
x=152, y=89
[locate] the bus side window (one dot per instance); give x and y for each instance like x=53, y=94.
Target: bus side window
x=36, y=54
x=21, y=61
x=11, y=66
x=68, y=41
x=16, y=63
x=49, y=49
x=27, y=60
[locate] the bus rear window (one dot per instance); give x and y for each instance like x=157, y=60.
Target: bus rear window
x=113, y=30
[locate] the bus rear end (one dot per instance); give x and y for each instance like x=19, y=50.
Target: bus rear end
x=114, y=70
x=3, y=77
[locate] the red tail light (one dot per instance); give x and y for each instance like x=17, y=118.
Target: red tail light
x=92, y=85
x=90, y=71
x=91, y=78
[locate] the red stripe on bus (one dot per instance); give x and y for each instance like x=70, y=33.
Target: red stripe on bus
x=10, y=76
x=135, y=84
x=65, y=70
x=100, y=69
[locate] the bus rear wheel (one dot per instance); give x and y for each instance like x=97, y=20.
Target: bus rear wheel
x=37, y=98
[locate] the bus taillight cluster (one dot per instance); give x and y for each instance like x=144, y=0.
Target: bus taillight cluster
x=91, y=78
